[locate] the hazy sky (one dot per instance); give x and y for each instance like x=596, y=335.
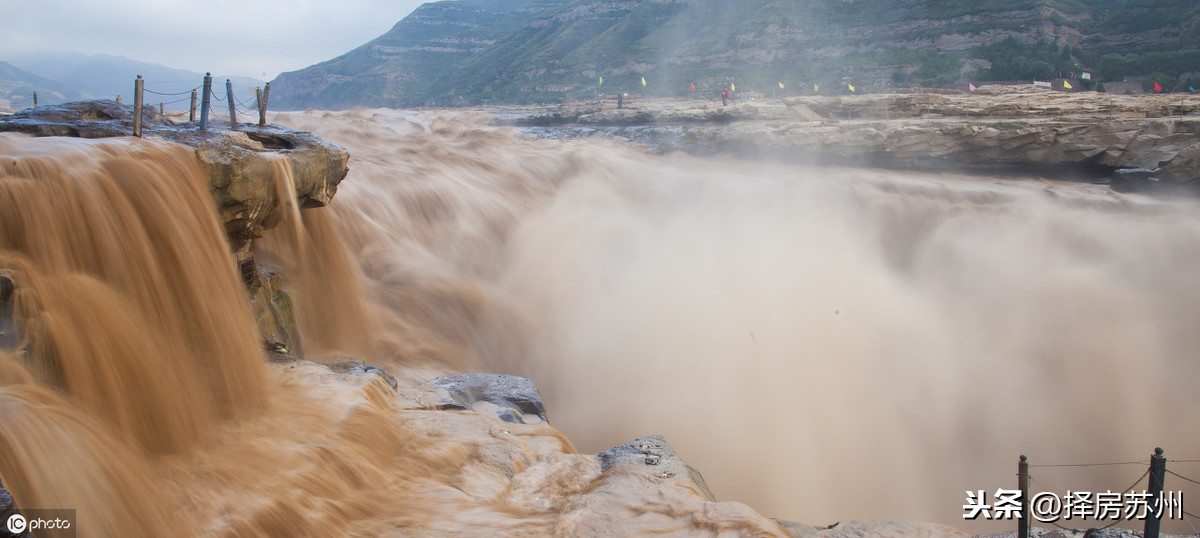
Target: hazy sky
x=255, y=38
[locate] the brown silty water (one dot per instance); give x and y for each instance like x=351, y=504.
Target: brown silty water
x=823, y=343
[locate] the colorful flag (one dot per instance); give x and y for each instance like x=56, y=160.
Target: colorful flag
x=732, y=87
x=781, y=85
x=816, y=88
x=851, y=87
x=693, y=86
x=1191, y=88
x=601, y=81
x=970, y=86
x=643, y=82
x=1157, y=87
x=1067, y=85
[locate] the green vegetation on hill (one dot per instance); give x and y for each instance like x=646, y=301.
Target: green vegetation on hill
x=516, y=51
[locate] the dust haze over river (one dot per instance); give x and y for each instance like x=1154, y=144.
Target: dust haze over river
x=822, y=343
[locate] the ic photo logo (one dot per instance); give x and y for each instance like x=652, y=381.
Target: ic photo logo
x=16, y=524
x=34, y=521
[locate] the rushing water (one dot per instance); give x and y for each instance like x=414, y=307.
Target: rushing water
x=822, y=343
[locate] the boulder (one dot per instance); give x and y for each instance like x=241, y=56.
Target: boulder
x=653, y=454
x=274, y=311
x=509, y=398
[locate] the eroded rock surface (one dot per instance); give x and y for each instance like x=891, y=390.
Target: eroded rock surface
x=1083, y=135
x=239, y=163
x=508, y=398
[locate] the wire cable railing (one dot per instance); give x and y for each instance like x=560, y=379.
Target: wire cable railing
x=1152, y=504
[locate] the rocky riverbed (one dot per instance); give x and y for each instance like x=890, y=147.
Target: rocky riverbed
x=1020, y=130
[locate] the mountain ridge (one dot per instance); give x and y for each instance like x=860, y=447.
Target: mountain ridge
x=65, y=76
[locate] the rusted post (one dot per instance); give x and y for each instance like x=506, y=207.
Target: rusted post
x=137, y=106
x=262, y=116
x=1158, y=468
x=192, y=109
x=232, y=105
x=161, y=111
x=204, y=102
x=34, y=99
x=1023, y=485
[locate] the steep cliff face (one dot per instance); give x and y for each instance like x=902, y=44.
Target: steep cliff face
x=394, y=68
x=456, y=53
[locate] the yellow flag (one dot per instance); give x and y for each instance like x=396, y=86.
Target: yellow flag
x=851, y=87
x=732, y=88
x=1066, y=85
x=643, y=81
x=781, y=85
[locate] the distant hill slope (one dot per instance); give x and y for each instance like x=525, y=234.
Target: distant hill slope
x=102, y=76
x=476, y=51
x=17, y=87
x=394, y=68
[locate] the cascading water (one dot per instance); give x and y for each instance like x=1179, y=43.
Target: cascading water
x=823, y=343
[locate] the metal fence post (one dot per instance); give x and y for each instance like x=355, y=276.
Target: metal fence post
x=204, y=102
x=1023, y=485
x=192, y=110
x=137, y=106
x=34, y=99
x=232, y=105
x=1158, y=467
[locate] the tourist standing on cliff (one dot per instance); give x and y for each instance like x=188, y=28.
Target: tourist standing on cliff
x=725, y=97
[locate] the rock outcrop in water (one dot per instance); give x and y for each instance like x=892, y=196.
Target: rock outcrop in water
x=247, y=186
x=1085, y=135
x=238, y=162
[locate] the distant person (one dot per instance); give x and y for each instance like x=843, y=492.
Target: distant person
x=620, y=100
x=725, y=97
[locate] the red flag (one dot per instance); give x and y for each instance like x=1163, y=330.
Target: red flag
x=1157, y=87
x=693, y=86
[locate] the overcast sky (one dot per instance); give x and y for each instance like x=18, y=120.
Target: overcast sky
x=254, y=38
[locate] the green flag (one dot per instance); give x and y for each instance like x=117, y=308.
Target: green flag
x=643, y=81
x=816, y=88
x=601, y=81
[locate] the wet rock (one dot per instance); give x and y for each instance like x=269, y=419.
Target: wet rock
x=355, y=366
x=8, y=330
x=8, y=508
x=274, y=312
x=512, y=399
x=653, y=455
x=238, y=162
x=375, y=370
